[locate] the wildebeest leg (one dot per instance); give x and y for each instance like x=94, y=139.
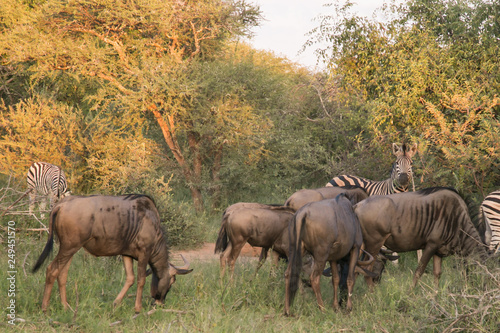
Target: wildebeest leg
x=128, y=265
x=224, y=257
x=275, y=258
x=233, y=255
x=55, y=268
x=319, y=266
x=287, y=289
x=437, y=269
x=351, y=277
x=422, y=264
x=61, y=282
x=262, y=259
x=335, y=283
x=142, y=263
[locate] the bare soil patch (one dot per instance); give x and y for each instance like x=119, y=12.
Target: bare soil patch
x=206, y=253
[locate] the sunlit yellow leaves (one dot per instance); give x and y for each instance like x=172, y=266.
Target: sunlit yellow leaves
x=38, y=130
x=467, y=133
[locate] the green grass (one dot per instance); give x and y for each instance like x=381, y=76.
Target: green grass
x=199, y=302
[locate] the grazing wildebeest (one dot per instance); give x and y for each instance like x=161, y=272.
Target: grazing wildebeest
x=435, y=220
x=305, y=196
x=108, y=226
x=330, y=231
x=258, y=224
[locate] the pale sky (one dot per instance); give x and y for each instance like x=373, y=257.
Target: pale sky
x=286, y=23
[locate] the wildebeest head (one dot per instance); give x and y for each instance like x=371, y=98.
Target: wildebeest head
x=402, y=171
x=161, y=286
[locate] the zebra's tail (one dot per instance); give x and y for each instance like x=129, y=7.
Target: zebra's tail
x=50, y=242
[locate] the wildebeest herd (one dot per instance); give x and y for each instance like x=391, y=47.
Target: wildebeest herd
x=347, y=226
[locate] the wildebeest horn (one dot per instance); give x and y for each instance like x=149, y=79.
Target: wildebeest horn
x=186, y=264
x=386, y=251
x=388, y=257
x=365, y=272
x=366, y=262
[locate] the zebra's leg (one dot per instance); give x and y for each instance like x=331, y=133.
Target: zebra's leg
x=43, y=205
x=32, y=197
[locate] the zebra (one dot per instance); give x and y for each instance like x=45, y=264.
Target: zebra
x=489, y=214
x=48, y=180
x=399, y=181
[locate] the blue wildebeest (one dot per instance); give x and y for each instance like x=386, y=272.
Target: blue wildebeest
x=330, y=231
x=108, y=226
x=399, y=181
x=305, y=196
x=258, y=224
x=435, y=220
x=489, y=214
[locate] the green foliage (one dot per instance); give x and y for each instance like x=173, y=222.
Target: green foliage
x=432, y=62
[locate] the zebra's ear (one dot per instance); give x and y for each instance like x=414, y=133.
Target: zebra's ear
x=397, y=149
x=413, y=150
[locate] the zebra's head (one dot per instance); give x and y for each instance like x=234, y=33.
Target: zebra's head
x=402, y=172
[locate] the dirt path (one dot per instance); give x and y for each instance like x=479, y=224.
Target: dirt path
x=206, y=253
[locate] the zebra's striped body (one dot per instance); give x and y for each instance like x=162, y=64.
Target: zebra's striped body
x=47, y=180
x=398, y=182
x=490, y=212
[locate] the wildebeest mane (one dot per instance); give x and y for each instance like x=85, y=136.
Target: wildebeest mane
x=341, y=195
x=133, y=196
x=430, y=190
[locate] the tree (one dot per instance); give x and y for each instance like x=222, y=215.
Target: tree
x=141, y=54
x=431, y=69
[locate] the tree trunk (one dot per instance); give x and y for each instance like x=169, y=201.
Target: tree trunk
x=216, y=176
x=192, y=176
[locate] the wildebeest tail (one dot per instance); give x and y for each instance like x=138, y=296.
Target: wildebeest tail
x=222, y=240
x=50, y=242
x=296, y=230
